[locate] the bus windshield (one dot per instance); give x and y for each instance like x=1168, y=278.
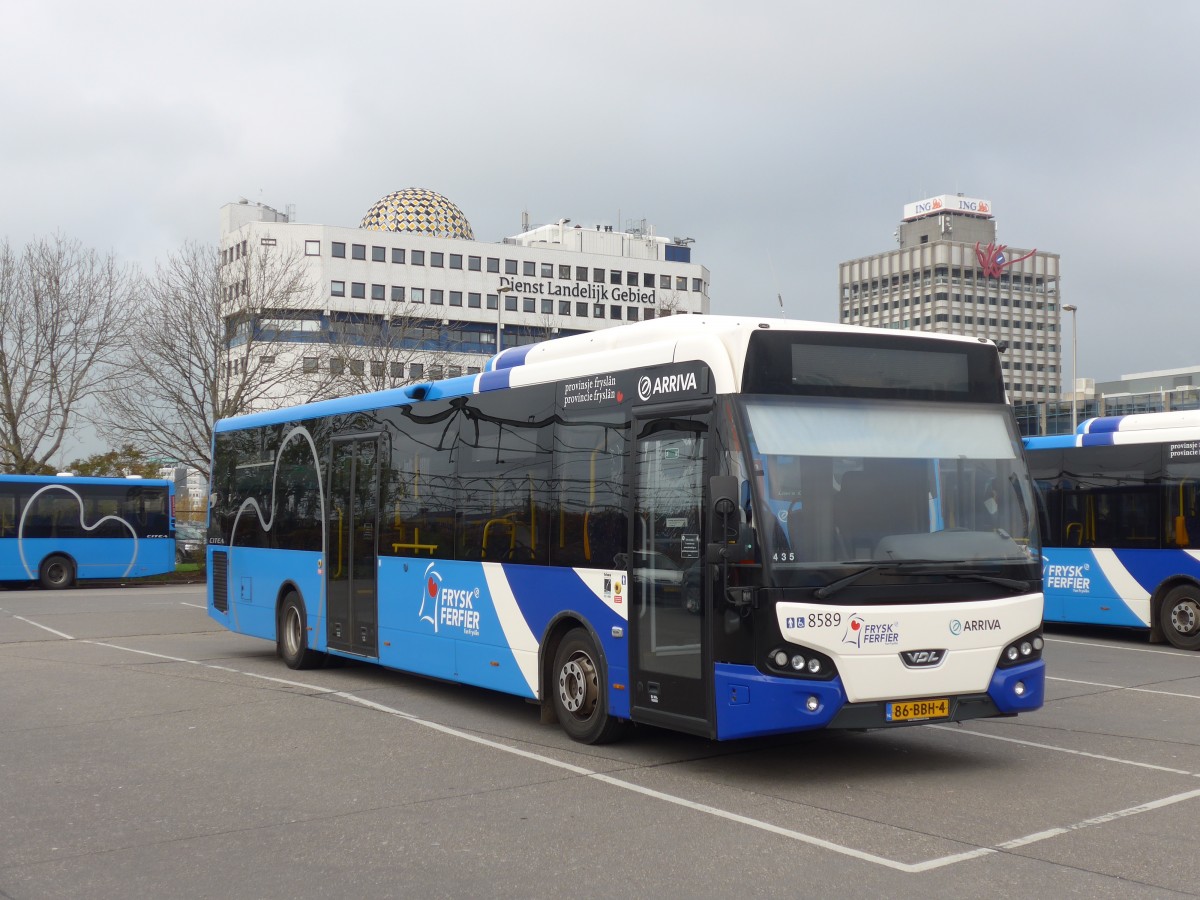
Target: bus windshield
x=843, y=482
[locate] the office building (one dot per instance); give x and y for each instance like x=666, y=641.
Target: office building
x=950, y=275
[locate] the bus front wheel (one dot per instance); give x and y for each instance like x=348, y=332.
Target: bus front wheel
x=1179, y=616
x=578, y=690
x=56, y=573
x=292, y=635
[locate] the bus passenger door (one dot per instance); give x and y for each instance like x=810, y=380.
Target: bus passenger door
x=668, y=619
x=352, y=556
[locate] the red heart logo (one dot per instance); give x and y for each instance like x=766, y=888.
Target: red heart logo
x=620, y=397
x=432, y=588
x=855, y=624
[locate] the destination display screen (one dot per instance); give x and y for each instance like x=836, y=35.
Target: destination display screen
x=838, y=364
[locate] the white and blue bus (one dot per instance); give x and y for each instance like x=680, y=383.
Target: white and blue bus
x=55, y=529
x=1122, y=531
x=724, y=526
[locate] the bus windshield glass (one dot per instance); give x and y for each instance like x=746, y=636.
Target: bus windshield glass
x=843, y=482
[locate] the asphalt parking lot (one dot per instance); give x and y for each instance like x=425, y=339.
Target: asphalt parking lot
x=145, y=751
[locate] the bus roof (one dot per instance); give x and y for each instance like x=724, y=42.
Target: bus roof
x=1139, y=428
x=719, y=341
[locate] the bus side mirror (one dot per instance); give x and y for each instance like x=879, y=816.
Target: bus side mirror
x=729, y=538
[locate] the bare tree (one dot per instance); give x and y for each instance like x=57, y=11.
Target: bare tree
x=63, y=312
x=375, y=351
x=216, y=339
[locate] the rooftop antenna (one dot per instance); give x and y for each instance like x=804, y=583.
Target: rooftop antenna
x=778, y=295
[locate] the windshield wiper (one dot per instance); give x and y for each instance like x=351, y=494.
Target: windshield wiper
x=916, y=567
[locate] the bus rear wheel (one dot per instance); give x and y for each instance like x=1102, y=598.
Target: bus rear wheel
x=56, y=573
x=292, y=635
x=578, y=691
x=1179, y=616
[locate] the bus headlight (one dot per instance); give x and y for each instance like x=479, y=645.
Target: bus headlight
x=1024, y=649
x=798, y=662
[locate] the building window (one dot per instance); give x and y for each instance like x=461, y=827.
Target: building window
x=396, y=369
x=435, y=373
x=378, y=291
x=614, y=276
x=493, y=264
x=631, y=279
x=510, y=303
x=356, y=367
x=528, y=304
x=697, y=285
x=398, y=293
x=379, y=254
x=416, y=370
x=614, y=311
x=528, y=269
x=664, y=282
x=473, y=263
x=632, y=314
x=598, y=311
x=337, y=289
x=358, y=290
x=547, y=270
x=435, y=259
x=649, y=313
x=417, y=295
x=456, y=260
x=680, y=283
x=398, y=255
x=453, y=371
x=337, y=366
x=598, y=276
x=377, y=368
x=564, y=272
x=581, y=310
x=581, y=273
x=510, y=267
x=564, y=307
x=417, y=257
x=547, y=306
x=358, y=251
x=339, y=250
x=309, y=364
x=473, y=300
x=456, y=298
x=648, y=279
x=312, y=248
x=436, y=296
x=493, y=301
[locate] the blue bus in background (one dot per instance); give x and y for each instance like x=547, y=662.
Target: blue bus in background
x=57, y=529
x=725, y=526
x=1122, y=535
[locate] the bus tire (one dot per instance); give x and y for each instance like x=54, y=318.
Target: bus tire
x=291, y=641
x=578, y=691
x=56, y=572
x=1179, y=616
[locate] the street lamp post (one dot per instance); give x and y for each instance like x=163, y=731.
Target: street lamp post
x=500, y=292
x=1072, y=309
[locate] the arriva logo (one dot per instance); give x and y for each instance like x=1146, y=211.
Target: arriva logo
x=448, y=606
x=665, y=384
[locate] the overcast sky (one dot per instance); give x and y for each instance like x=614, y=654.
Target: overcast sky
x=783, y=137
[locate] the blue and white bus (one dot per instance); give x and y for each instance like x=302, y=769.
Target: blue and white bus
x=725, y=526
x=55, y=529
x=1122, y=534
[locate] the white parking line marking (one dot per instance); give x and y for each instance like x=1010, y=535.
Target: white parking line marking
x=954, y=729
x=812, y=840
x=1178, y=654
x=193, y=605
x=1121, y=687
x=44, y=627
